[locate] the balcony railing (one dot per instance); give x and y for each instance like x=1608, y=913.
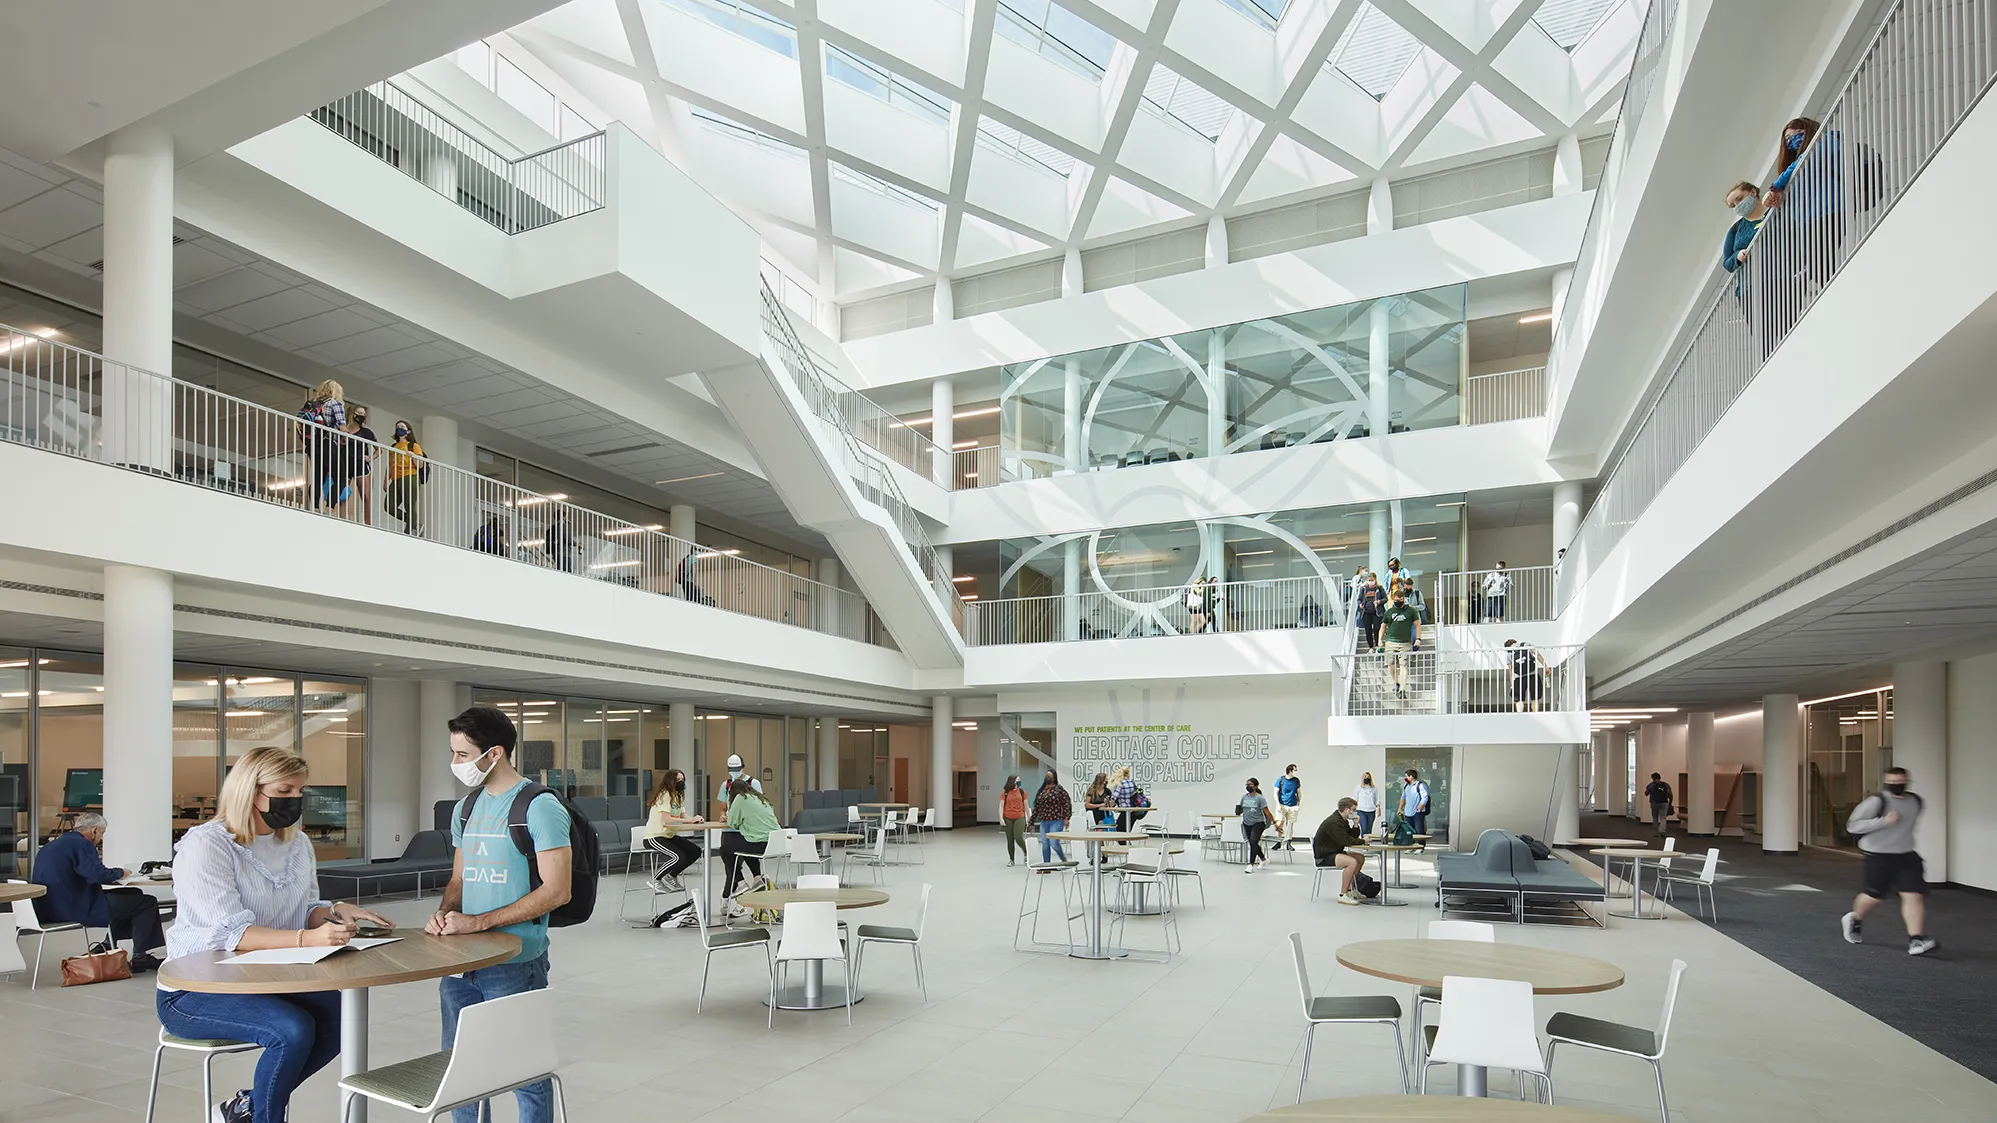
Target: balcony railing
x=512, y=193
x=67, y=400
x=1473, y=598
x=1928, y=64
x=1245, y=606
x=1511, y=395
x=977, y=467
x=1483, y=681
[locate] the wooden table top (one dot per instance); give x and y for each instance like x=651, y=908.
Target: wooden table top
x=1632, y=852
x=1100, y=836
x=1425, y=962
x=1429, y=1109
x=840, y=837
x=889, y=805
x=845, y=897
x=1384, y=847
x=1171, y=846
x=1633, y=842
x=11, y=891
x=411, y=958
x=1219, y=815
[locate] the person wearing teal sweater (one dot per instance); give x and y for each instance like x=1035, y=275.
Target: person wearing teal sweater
x=751, y=822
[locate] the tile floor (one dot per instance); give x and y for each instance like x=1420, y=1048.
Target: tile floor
x=1007, y=1037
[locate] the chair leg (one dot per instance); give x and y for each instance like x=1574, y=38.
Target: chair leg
x=920, y=981
x=1310, y=1031
x=561, y=1100
x=1550, y=1047
x=152, y=1090
x=1400, y=1053
x=851, y=986
x=706, y=962
x=40, y=939
x=1663, y=1108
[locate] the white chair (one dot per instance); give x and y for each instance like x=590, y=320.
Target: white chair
x=910, y=938
x=1232, y=838
x=817, y=881
x=1146, y=866
x=1610, y=1037
x=853, y=818
x=725, y=939
x=1474, y=931
x=811, y=931
x=1343, y=1010
x=501, y=1044
x=651, y=858
x=875, y=856
x=1486, y=1023
x=776, y=854
x=929, y=822
x=1701, y=883
x=1037, y=874
x=804, y=853
x=27, y=921
x=207, y=1048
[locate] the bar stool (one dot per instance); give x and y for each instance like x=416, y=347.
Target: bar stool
x=208, y=1049
x=1035, y=886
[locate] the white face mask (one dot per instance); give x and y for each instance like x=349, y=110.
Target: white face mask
x=1745, y=207
x=469, y=773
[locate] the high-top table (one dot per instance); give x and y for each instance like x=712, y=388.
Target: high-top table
x=1425, y=962
x=1094, y=841
x=813, y=994
x=1382, y=849
x=412, y=958
x=1608, y=864
x=1429, y=1109
x=1636, y=858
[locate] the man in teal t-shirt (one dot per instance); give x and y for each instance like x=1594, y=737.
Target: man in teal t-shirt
x=491, y=887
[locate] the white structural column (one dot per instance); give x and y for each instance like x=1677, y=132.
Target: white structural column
x=1698, y=794
x=1567, y=793
x=1781, y=744
x=1649, y=751
x=1920, y=745
x=436, y=705
x=1216, y=393
x=1216, y=241
x=447, y=515
x=682, y=749
x=1397, y=528
x=138, y=298
x=394, y=754
x=1567, y=165
x=1615, y=786
x=1566, y=513
x=680, y=524
x=1377, y=545
x=1379, y=336
x=138, y=714
x=826, y=572
x=1071, y=272
x=828, y=753
x=1071, y=589
x=943, y=306
x=943, y=429
x=1600, y=784
x=1071, y=416
x=942, y=768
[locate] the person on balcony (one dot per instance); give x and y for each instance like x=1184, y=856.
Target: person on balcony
x=1528, y=677
x=560, y=542
x=1497, y=586
x=360, y=467
x=405, y=475
x=491, y=538
x=1310, y=614
x=325, y=416
x=1196, y=607
x=1744, y=200
x=1809, y=192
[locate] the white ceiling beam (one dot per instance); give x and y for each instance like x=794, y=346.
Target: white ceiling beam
x=665, y=127
x=838, y=242
x=979, y=18
x=811, y=80
x=1146, y=48
x=1309, y=66
x=1472, y=67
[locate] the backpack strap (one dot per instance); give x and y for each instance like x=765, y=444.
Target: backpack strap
x=516, y=825
x=465, y=809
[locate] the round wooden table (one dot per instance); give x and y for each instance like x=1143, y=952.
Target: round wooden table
x=1381, y=850
x=1425, y=962
x=412, y=958
x=840, y=837
x=813, y=994
x=11, y=891
x=1429, y=1109
x=1636, y=857
x=1094, y=841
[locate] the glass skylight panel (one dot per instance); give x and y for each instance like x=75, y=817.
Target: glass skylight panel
x=881, y=187
x=877, y=81
x=1057, y=33
x=1004, y=138
x=747, y=20
x=1187, y=102
x=1374, y=52
x=1265, y=13
x=1569, y=22
x=761, y=140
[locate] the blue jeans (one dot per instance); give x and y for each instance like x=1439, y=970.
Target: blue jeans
x=1050, y=848
x=1417, y=821
x=299, y=1033
x=457, y=992
x=1366, y=822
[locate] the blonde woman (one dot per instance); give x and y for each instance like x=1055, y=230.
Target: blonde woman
x=325, y=417
x=246, y=880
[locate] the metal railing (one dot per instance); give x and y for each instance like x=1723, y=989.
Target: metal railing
x=512, y=193
x=978, y=467
x=823, y=395
x=1245, y=606
x=1480, y=681
x=1928, y=64
x=1511, y=395
x=1473, y=597
x=67, y=400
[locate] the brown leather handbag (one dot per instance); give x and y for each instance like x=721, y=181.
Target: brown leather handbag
x=106, y=967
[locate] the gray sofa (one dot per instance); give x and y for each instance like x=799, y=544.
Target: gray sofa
x=824, y=812
x=1502, y=869
x=425, y=864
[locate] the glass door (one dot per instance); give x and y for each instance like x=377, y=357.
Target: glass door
x=1432, y=767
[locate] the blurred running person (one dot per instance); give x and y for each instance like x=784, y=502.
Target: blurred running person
x=1884, y=823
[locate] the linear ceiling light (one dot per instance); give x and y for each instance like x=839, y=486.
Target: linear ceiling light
x=1537, y=317
x=685, y=479
x=1853, y=694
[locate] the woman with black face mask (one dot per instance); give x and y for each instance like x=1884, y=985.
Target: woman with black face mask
x=246, y=880
x=668, y=812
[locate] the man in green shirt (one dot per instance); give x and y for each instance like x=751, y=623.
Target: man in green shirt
x=1400, y=631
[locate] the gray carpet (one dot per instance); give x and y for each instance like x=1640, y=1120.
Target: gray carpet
x=1786, y=907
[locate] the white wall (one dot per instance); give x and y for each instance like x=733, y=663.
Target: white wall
x=1506, y=786
x=1516, y=546
x=1972, y=772
x=395, y=746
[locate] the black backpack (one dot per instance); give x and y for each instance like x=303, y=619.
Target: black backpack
x=1366, y=886
x=584, y=859
x=1540, y=851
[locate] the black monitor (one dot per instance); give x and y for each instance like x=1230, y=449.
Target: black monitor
x=83, y=789
x=325, y=807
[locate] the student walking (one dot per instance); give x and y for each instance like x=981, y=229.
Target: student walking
x=1052, y=809
x=1884, y=823
x=1414, y=801
x=1012, y=814
x=1366, y=798
x=360, y=466
x=1400, y=632
x=325, y=416
x=1289, y=798
x=1254, y=811
x=405, y=475
x=1372, y=602
x=1659, y=794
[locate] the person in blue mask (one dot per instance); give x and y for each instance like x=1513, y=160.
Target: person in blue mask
x=1809, y=195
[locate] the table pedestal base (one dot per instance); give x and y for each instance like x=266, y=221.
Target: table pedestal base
x=1471, y=1080
x=354, y=1045
x=813, y=994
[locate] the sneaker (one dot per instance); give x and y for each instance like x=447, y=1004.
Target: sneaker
x=1921, y=945
x=672, y=884
x=235, y=1110
x=1351, y=899
x=657, y=882
x=1249, y=868
x=1851, y=933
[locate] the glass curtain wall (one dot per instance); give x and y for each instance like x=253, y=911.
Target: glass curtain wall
x=16, y=806
x=1309, y=377
x=1432, y=766
x=1850, y=742
x=588, y=748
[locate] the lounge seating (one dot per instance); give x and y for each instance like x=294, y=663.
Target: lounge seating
x=1502, y=867
x=425, y=864
x=824, y=812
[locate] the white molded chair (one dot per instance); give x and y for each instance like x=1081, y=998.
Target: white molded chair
x=811, y=931
x=1342, y=1010
x=853, y=818
x=1475, y=931
x=26, y=920
x=1486, y=1023
x=1037, y=874
x=929, y=821
x=207, y=1048
x=1701, y=883
x=725, y=939
x=1611, y=1037
x=817, y=881
x=875, y=856
x=1232, y=838
x=651, y=867
x=804, y=853
x=891, y=934
x=1146, y=865
x=501, y=1044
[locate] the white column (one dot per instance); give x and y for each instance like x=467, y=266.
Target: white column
x=828, y=753
x=446, y=503
x=1557, y=292
x=1698, y=796
x=1649, y=750
x=1379, y=373
x=1397, y=529
x=1781, y=738
x=1072, y=405
x=1216, y=241
x=1567, y=794
x=1216, y=393
x=1567, y=165
x=394, y=755
x=942, y=768
x=1380, y=208
x=1071, y=272
x=436, y=705
x=1377, y=544
x=138, y=714
x=1616, y=783
x=1071, y=589
x=138, y=299
x=943, y=429
x=943, y=305
x=1601, y=780
x=680, y=524
x=681, y=750
x=1920, y=745
x=826, y=572
x=1566, y=513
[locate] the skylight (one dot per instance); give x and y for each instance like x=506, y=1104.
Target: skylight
x=1265, y=13
x=1374, y=52
x=1004, y=138
x=1057, y=33
x=1569, y=22
x=747, y=20
x=881, y=187
x=877, y=81
x=1185, y=101
x=761, y=140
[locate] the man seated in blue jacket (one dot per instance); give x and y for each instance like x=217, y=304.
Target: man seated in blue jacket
x=75, y=878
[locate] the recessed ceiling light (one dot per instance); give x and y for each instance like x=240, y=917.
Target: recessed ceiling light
x=1537, y=317
x=684, y=479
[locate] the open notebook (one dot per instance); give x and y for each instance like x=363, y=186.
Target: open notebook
x=307, y=955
